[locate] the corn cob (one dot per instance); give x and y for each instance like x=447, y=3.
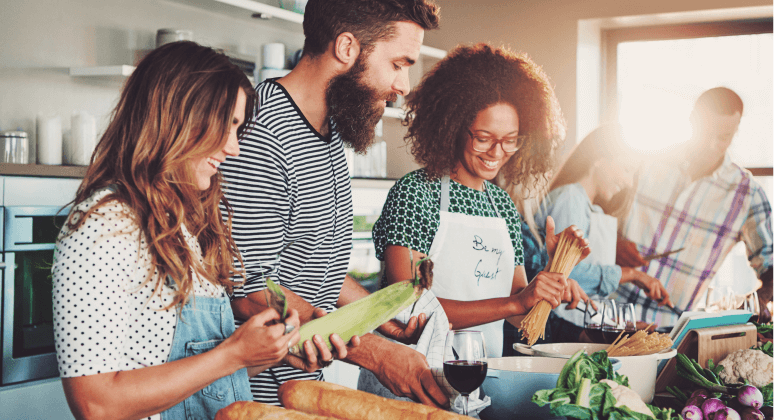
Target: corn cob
x=360, y=317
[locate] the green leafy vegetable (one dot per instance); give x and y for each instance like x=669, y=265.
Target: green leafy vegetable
x=768, y=392
x=766, y=348
x=580, y=395
x=705, y=378
x=764, y=328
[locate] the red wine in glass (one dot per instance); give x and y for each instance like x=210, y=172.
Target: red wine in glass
x=465, y=376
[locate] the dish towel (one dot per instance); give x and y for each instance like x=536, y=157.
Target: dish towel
x=432, y=343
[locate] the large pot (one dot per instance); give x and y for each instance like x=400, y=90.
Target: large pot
x=641, y=370
x=511, y=382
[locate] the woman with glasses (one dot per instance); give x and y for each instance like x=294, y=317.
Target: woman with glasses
x=592, y=190
x=480, y=111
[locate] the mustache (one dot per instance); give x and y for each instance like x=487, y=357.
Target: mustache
x=392, y=97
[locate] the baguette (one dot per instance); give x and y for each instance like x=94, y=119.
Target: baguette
x=328, y=399
x=249, y=410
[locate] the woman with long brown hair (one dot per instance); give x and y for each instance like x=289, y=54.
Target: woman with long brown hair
x=592, y=189
x=479, y=112
x=143, y=325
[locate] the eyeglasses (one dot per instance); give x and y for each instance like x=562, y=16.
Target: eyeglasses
x=485, y=144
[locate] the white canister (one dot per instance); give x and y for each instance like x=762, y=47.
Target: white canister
x=49, y=135
x=83, y=137
x=167, y=35
x=274, y=56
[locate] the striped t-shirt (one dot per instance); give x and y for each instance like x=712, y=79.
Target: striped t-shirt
x=290, y=192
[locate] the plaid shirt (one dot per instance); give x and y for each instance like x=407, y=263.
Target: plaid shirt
x=707, y=217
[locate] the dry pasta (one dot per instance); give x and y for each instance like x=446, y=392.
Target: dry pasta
x=568, y=253
x=639, y=344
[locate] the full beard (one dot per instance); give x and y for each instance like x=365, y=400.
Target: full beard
x=355, y=107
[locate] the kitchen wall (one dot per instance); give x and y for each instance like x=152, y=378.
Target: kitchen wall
x=42, y=39
x=549, y=32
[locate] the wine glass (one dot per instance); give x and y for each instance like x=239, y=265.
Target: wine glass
x=627, y=320
x=752, y=305
x=610, y=328
x=592, y=321
x=464, y=362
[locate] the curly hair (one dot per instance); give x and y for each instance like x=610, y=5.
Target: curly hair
x=177, y=105
x=469, y=80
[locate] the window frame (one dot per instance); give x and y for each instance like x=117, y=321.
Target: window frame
x=614, y=36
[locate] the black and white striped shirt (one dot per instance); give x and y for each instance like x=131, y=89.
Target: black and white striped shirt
x=289, y=187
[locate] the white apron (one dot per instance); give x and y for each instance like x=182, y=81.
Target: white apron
x=602, y=237
x=473, y=260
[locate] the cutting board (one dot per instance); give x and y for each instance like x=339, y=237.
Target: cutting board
x=708, y=343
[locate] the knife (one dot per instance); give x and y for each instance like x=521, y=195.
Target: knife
x=664, y=254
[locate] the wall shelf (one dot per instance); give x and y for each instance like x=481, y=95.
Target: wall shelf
x=54, y=171
x=268, y=12
x=102, y=71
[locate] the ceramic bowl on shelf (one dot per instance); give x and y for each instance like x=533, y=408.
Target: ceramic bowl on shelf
x=641, y=370
x=511, y=382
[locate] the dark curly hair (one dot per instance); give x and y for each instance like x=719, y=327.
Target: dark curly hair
x=466, y=82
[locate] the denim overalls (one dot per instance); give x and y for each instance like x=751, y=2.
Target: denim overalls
x=204, y=323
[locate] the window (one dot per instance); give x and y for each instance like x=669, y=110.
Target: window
x=653, y=76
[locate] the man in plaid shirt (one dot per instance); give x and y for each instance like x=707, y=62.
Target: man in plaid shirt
x=699, y=201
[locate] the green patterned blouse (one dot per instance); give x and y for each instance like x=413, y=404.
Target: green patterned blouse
x=410, y=216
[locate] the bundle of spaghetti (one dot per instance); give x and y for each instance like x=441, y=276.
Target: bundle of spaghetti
x=568, y=253
x=639, y=344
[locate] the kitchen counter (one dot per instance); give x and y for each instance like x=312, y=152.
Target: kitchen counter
x=50, y=171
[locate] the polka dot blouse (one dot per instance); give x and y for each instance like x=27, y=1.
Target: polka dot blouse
x=105, y=318
x=410, y=216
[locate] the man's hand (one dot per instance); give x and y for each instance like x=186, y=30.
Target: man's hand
x=317, y=354
x=406, y=334
x=405, y=373
x=626, y=254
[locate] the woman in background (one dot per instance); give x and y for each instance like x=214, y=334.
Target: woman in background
x=143, y=325
x=591, y=190
x=479, y=112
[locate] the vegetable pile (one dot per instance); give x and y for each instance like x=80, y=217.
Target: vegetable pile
x=716, y=399
x=589, y=389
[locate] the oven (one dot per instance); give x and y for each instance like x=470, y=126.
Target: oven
x=28, y=239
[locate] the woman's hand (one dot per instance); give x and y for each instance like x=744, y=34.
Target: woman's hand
x=545, y=286
x=574, y=294
x=650, y=285
x=552, y=240
x=257, y=344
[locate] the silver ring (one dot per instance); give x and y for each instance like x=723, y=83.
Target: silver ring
x=289, y=328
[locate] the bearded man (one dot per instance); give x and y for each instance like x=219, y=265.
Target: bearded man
x=290, y=189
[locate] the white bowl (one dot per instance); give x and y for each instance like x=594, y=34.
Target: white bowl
x=641, y=370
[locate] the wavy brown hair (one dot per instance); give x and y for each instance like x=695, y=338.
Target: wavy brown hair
x=469, y=80
x=176, y=106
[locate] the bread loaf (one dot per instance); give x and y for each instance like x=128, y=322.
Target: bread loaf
x=327, y=399
x=248, y=410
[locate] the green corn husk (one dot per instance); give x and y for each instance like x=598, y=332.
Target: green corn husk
x=360, y=317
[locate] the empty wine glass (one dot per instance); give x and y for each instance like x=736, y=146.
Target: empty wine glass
x=610, y=328
x=627, y=319
x=752, y=305
x=464, y=362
